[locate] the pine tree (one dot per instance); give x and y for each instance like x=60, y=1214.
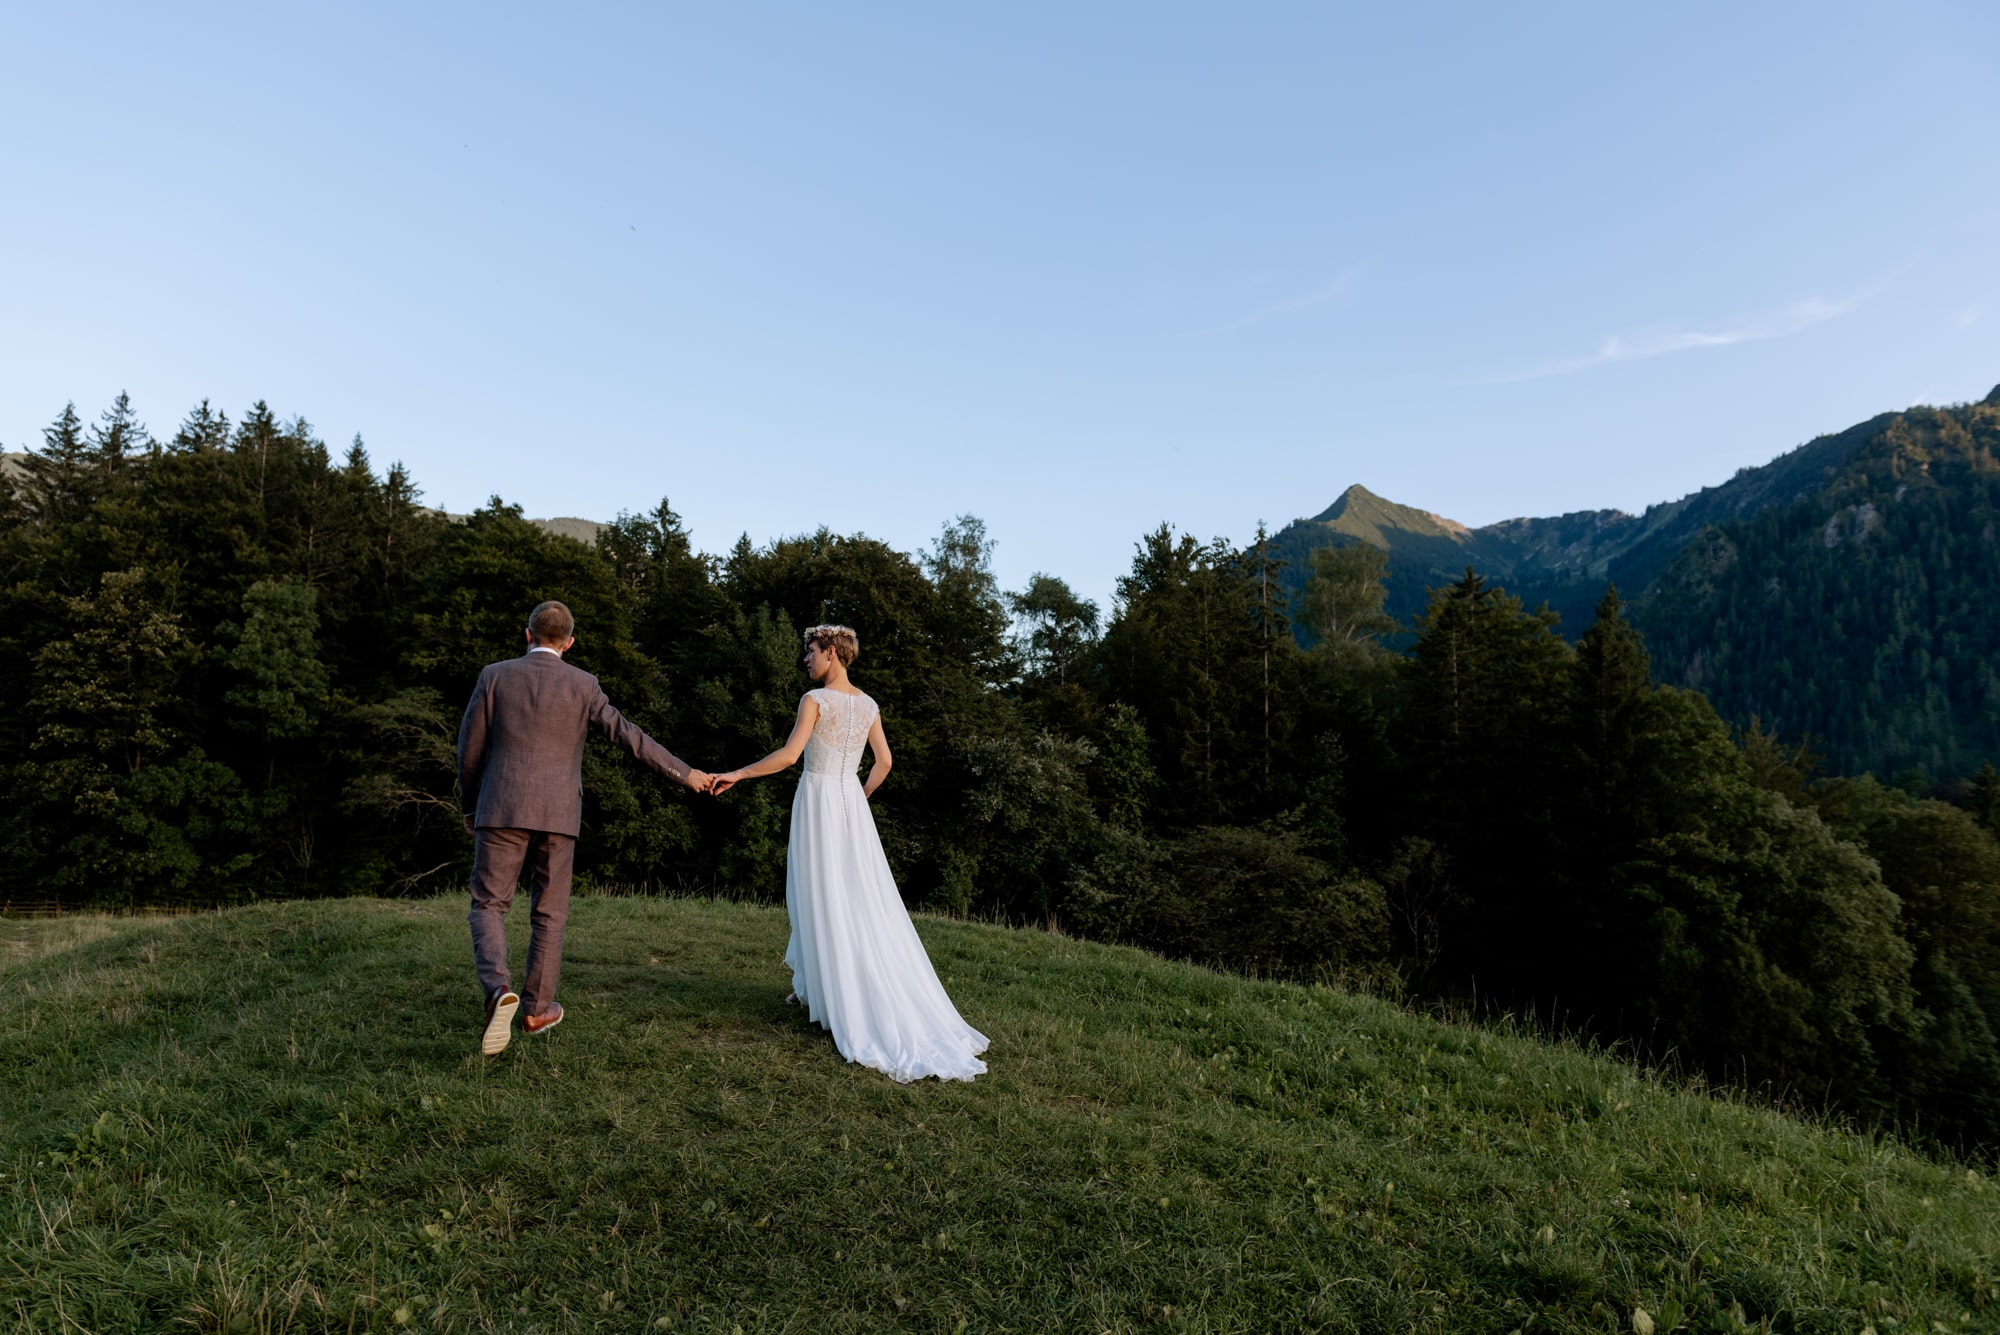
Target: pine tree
x=1614, y=683
x=202, y=431
x=1260, y=569
x=277, y=654
x=396, y=516
x=678, y=603
x=59, y=481
x=119, y=805
x=256, y=437
x=356, y=465
x=1480, y=737
x=1985, y=803
x=118, y=436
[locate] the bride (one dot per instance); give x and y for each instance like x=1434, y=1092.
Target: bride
x=857, y=965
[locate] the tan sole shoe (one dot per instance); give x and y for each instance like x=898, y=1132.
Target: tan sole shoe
x=499, y=1022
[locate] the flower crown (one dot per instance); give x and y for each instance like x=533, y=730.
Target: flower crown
x=846, y=645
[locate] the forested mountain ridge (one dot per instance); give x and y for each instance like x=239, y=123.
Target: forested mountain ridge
x=1563, y=560
x=1832, y=594
x=1861, y=615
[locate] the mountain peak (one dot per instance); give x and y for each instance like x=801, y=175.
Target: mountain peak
x=1360, y=513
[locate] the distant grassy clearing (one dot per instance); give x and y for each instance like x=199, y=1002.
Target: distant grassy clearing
x=23, y=939
x=276, y=1118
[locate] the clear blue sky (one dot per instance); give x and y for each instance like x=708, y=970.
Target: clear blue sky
x=1077, y=269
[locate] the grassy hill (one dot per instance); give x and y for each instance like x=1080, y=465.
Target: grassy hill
x=275, y=1118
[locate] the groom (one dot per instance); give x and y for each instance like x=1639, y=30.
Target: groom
x=520, y=772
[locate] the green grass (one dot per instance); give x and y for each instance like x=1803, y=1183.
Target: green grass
x=277, y=1118
x=24, y=939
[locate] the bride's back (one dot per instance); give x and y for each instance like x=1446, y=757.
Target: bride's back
x=841, y=731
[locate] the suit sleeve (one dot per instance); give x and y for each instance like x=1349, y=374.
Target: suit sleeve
x=472, y=744
x=629, y=736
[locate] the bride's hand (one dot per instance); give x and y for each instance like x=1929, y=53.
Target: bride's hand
x=722, y=783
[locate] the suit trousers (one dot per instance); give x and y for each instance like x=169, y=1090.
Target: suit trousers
x=498, y=858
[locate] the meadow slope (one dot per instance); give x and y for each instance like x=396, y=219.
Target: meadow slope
x=276, y=1118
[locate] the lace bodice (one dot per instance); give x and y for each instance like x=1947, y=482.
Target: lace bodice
x=841, y=732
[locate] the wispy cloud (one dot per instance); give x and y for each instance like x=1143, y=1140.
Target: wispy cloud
x=1658, y=341
x=1303, y=301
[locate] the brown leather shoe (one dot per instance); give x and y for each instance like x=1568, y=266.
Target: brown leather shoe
x=548, y=1019
x=500, y=1008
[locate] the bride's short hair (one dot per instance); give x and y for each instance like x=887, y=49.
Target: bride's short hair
x=846, y=645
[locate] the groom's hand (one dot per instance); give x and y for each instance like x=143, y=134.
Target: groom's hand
x=701, y=781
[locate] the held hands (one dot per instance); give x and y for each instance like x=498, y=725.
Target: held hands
x=718, y=784
x=715, y=785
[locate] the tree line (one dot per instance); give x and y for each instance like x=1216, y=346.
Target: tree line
x=246, y=658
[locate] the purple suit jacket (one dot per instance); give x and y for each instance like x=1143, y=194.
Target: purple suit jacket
x=520, y=745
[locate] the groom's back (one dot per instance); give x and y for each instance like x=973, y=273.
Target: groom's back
x=530, y=716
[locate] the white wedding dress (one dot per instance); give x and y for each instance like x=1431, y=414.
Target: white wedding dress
x=856, y=962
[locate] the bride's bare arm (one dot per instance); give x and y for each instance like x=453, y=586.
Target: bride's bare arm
x=878, y=746
x=784, y=757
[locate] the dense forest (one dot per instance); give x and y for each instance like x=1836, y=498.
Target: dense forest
x=1837, y=593
x=245, y=659
x=1862, y=615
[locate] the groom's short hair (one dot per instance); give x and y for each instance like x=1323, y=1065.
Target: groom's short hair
x=550, y=623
